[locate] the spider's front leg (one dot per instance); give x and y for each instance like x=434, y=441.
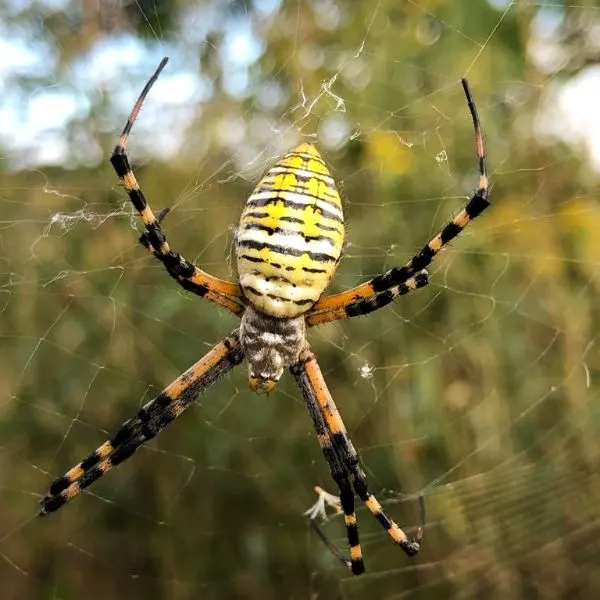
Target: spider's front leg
x=149, y=421
x=343, y=458
x=338, y=471
x=188, y=275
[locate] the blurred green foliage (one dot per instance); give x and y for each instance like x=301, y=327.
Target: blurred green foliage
x=481, y=390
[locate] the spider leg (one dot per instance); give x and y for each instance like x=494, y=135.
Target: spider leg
x=149, y=421
x=344, y=449
x=420, y=261
x=339, y=472
x=318, y=509
x=188, y=275
x=367, y=305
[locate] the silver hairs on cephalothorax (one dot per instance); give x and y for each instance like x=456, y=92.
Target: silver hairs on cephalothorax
x=270, y=345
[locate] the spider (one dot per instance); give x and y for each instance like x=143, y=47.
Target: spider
x=288, y=246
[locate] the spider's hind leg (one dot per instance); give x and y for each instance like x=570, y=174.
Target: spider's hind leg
x=144, y=239
x=376, y=292
x=188, y=275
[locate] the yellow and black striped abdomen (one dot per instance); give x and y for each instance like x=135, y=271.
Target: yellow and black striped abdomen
x=290, y=235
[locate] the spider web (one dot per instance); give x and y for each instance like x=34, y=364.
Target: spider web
x=478, y=391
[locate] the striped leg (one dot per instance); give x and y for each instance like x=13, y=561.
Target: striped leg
x=401, y=275
x=338, y=472
x=344, y=449
x=188, y=275
x=148, y=422
x=318, y=509
x=367, y=305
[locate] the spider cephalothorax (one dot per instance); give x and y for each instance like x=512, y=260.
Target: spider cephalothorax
x=270, y=345
x=288, y=246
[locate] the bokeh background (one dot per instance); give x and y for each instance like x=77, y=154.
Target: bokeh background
x=480, y=391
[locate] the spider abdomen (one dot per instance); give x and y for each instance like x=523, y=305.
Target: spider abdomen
x=290, y=236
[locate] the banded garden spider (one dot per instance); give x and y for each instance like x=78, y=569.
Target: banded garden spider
x=288, y=247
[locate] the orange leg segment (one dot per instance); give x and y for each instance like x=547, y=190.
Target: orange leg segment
x=339, y=450
x=375, y=293
x=188, y=275
x=149, y=421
